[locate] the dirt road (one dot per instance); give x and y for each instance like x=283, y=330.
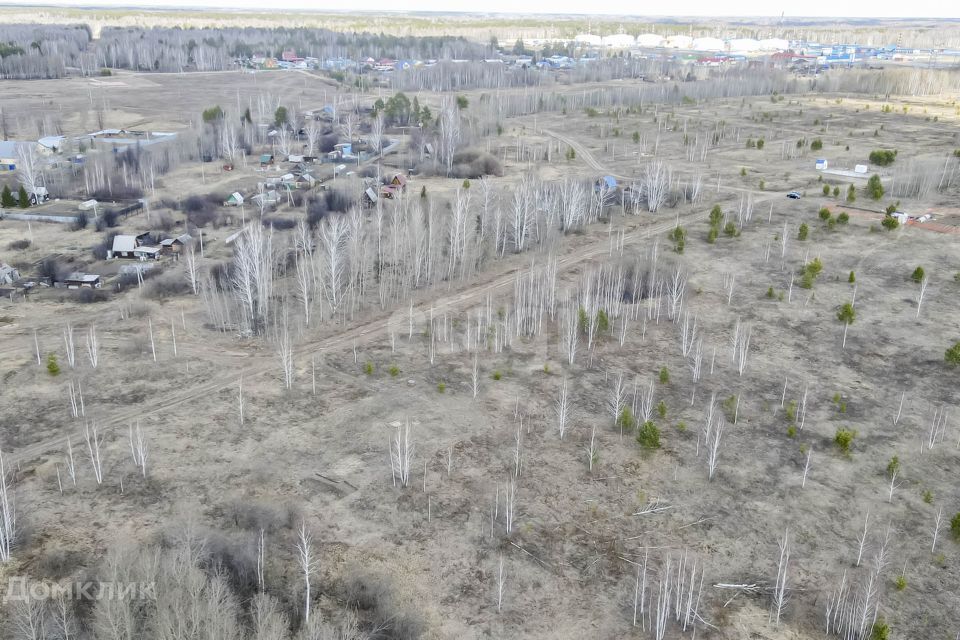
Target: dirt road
x=262, y=363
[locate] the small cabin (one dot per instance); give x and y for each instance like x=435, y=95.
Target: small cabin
x=77, y=280
x=123, y=246
x=175, y=245
x=147, y=253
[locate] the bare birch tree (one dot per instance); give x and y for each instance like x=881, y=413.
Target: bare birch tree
x=923, y=289
x=712, y=435
x=304, y=269
x=475, y=376
x=742, y=349
x=138, y=449
x=192, y=270
x=562, y=409
x=313, y=131
x=376, y=134
x=93, y=351
x=333, y=232
x=401, y=455
x=780, y=586
x=284, y=348
x=936, y=530
x=308, y=564
x=29, y=169
x=593, y=451
x=70, y=463
x=68, y=344
x=617, y=400
x=349, y=125
x=862, y=540
x=8, y=515
x=94, y=442
x=501, y=583
x=449, y=132
x=656, y=184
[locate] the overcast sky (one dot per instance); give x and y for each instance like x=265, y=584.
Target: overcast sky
x=847, y=8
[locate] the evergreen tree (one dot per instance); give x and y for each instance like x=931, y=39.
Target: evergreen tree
x=7, y=200
x=874, y=187
x=280, y=116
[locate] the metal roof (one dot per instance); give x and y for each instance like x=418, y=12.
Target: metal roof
x=124, y=243
x=8, y=148
x=51, y=142
x=76, y=276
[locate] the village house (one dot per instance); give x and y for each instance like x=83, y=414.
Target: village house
x=79, y=280
x=126, y=247
x=341, y=150
x=290, y=55
x=52, y=144
x=305, y=181
x=267, y=198
x=175, y=245
x=399, y=181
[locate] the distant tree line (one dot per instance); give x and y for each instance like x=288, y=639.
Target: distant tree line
x=41, y=51
x=51, y=51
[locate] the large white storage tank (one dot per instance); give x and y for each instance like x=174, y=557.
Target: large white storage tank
x=589, y=39
x=618, y=41
x=708, y=44
x=650, y=40
x=774, y=44
x=679, y=42
x=744, y=45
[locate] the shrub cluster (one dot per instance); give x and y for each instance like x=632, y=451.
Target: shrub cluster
x=809, y=273
x=883, y=157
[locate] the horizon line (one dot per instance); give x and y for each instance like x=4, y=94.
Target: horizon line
x=149, y=7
